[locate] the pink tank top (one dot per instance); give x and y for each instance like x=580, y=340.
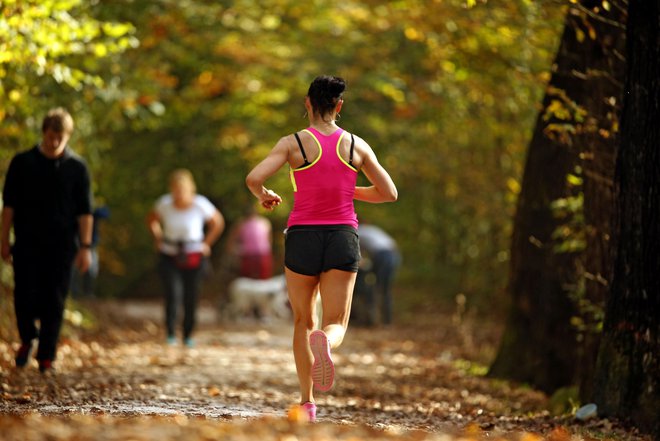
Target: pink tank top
x=324, y=190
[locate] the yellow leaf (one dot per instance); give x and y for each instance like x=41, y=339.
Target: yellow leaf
x=473, y=429
x=574, y=180
x=448, y=66
x=413, y=34
x=557, y=109
x=592, y=33
x=14, y=96
x=100, y=50
x=297, y=414
x=529, y=436
x=513, y=185
x=117, y=29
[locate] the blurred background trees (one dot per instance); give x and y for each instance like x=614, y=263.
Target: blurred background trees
x=446, y=93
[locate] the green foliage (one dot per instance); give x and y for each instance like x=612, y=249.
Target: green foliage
x=444, y=93
x=7, y=323
x=51, y=54
x=564, y=401
x=566, y=116
x=570, y=235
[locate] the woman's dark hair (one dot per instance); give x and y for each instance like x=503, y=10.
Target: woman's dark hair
x=325, y=92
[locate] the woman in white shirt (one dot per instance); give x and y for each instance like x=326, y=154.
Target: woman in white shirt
x=184, y=226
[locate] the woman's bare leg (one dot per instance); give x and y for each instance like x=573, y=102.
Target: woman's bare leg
x=336, y=288
x=302, y=295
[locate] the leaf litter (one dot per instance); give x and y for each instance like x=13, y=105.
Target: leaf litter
x=418, y=381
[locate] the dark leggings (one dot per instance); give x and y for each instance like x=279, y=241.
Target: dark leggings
x=180, y=285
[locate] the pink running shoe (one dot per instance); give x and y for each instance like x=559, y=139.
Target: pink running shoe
x=323, y=370
x=310, y=409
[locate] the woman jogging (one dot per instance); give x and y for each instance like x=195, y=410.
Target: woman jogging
x=321, y=242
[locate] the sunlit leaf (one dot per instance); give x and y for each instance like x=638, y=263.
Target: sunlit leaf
x=116, y=30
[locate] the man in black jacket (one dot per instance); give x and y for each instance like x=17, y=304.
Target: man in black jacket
x=47, y=200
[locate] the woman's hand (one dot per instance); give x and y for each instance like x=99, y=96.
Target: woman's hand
x=153, y=223
x=269, y=199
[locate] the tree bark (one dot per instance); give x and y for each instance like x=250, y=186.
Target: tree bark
x=540, y=345
x=532, y=350
x=628, y=368
x=598, y=139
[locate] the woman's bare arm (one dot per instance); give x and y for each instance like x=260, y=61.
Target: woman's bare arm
x=382, y=188
x=255, y=180
x=214, y=228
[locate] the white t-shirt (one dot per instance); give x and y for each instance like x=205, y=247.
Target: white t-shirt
x=185, y=225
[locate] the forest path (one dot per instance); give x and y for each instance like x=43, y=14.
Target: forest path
x=390, y=382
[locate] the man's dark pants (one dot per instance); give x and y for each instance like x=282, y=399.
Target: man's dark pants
x=41, y=284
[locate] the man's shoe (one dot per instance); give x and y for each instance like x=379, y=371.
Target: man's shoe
x=323, y=370
x=23, y=355
x=45, y=366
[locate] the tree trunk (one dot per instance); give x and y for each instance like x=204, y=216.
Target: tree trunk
x=599, y=141
x=540, y=344
x=533, y=344
x=628, y=368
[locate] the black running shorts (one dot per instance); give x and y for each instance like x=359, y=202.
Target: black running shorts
x=313, y=249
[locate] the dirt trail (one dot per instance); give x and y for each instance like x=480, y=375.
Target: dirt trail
x=396, y=381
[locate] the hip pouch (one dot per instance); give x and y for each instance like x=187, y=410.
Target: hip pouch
x=188, y=261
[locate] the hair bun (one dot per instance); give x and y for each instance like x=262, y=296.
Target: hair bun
x=336, y=86
x=324, y=93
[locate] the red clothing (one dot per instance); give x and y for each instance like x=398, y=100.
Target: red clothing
x=257, y=266
x=254, y=248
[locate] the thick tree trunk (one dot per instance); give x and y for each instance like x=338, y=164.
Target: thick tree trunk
x=534, y=346
x=599, y=141
x=540, y=344
x=628, y=369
